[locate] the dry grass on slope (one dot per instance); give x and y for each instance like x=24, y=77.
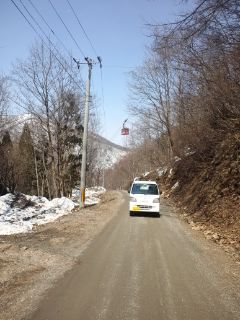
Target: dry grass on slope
x=207, y=191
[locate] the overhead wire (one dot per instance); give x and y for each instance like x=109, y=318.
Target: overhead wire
x=69, y=32
x=44, y=33
x=52, y=31
x=95, y=52
x=34, y=20
x=51, y=43
x=81, y=26
x=13, y=2
x=120, y=67
x=50, y=28
x=39, y=35
x=113, y=136
x=103, y=99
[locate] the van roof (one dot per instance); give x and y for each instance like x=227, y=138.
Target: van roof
x=144, y=182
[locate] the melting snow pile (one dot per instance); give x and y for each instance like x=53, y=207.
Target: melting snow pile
x=19, y=213
x=92, y=195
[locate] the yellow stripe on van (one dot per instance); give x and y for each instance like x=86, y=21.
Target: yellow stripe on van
x=136, y=208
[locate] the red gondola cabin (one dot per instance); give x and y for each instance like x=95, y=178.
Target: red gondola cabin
x=125, y=131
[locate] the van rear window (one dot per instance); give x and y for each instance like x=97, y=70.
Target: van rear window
x=139, y=188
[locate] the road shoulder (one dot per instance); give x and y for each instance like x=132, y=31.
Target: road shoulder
x=31, y=263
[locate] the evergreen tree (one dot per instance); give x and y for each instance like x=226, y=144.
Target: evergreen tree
x=73, y=144
x=7, y=174
x=6, y=144
x=26, y=162
x=69, y=141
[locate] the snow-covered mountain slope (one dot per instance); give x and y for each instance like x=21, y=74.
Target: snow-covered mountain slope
x=108, y=153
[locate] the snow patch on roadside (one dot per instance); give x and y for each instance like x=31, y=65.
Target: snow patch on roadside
x=146, y=173
x=93, y=194
x=175, y=186
x=19, y=213
x=170, y=173
x=176, y=159
x=161, y=171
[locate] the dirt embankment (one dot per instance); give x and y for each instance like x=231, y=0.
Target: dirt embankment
x=207, y=192
x=30, y=263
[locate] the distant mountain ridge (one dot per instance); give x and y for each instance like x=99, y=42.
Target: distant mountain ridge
x=108, y=142
x=108, y=153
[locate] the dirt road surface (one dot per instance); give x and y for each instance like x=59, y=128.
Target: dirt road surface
x=146, y=268
x=31, y=263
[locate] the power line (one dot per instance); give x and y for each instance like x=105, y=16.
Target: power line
x=103, y=100
x=34, y=20
x=93, y=48
x=81, y=26
x=120, y=67
x=95, y=52
x=59, y=61
x=113, y=136
x=25, y=18
x=69, y=32
x=50, y=28
x=44, y=33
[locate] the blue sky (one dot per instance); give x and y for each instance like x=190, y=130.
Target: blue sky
x=117, y=30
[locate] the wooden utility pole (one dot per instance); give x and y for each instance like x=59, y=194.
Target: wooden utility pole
x=90, y=63
x=85, y=134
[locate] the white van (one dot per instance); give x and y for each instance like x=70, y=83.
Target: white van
x=144, y=197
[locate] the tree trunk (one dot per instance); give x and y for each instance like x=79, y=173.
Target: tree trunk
x=36, y=172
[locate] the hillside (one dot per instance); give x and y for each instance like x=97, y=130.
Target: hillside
x=108, y=153
x=207, y=192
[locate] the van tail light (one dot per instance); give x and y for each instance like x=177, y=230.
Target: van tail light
x=156, y=200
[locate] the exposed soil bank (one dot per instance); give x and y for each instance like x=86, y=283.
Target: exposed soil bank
x=206, y=189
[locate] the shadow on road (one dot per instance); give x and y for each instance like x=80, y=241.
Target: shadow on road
x=169, y=215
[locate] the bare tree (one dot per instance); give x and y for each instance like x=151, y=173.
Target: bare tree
x=152, y=90
x=206, y=66
x=4, y=101
x=7, y=170
x=52, y=96
x=186, y=93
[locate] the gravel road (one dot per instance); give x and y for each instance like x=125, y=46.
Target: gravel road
x=146, y=268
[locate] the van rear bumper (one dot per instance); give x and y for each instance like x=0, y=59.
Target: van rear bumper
x=135, y=207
